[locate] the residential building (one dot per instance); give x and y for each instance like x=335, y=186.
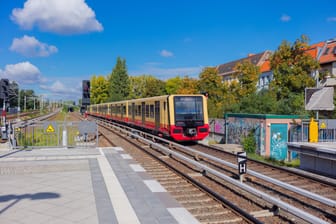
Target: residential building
x=227, y=70
x=325, y=52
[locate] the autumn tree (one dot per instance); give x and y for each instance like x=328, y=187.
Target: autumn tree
x=211, y=82
x=119, y=81
x=99, y=91
x=292, y=68
x=188, y=86
x=247, y=74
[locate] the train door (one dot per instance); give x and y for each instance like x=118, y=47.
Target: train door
x=157, y=115
x=133, y=111
x=121, y=111
x=143, y=112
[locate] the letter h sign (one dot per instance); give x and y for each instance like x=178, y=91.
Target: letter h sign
x=242, y=166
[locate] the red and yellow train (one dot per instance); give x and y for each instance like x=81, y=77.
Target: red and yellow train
x=180, y=117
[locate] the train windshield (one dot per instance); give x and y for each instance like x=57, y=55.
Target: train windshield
x=188, y=108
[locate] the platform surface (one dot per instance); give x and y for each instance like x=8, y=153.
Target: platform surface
x=97, y=185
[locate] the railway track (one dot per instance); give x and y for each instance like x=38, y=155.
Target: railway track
x=227, y=194
x=316, y=196
x=197, y=201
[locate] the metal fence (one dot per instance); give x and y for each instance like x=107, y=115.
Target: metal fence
x=326, y=132
x=54, y=134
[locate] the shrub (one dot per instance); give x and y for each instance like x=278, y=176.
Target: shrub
x=249, y=142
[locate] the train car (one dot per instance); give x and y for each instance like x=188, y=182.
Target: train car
x=118, y=111
x=180, y=117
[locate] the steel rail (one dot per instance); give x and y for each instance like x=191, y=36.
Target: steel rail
x=290, y=187
x=280, y=204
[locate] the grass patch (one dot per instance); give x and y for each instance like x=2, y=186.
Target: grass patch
x=294, y=163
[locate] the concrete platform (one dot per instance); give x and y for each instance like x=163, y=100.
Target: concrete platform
x=318, y=157
x=97, y=185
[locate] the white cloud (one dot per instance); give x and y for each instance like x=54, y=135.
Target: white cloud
x=331, y=19
x=285, y=18
x=167, y=73
x=31, y=47
x=57, y=16
x=165, y=53
x=60, y=88
x=22, y=73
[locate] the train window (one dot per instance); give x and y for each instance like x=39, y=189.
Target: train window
x=139, y=110
x=147, y=110
x=129, y=110
x=151, y=111
x=188, y=108
x=124, y=110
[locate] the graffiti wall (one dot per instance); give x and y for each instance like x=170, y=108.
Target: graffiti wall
x=217, y=130
x=238, y=128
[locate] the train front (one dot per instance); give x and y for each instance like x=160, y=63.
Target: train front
x=188, y=117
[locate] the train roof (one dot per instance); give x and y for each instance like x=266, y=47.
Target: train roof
x=148, y=98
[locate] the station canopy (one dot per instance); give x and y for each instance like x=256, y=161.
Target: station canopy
x=319, y=98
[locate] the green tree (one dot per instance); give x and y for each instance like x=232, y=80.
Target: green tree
x=119, y=81
x=256, y=103
x=137, y=86
x=173, y=84
x=28, y=100
x=99, y=91
x=154, y=87
x=211, y=82
x=146, y=86
x=292, y=67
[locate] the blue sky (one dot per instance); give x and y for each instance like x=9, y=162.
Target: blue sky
x=51, y=46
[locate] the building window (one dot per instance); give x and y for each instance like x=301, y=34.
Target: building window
x=326, y=51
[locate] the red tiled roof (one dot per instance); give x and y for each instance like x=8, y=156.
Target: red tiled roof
x=265, y=67
x=329, y=53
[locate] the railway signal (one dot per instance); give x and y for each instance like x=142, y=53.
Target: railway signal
x=242, y=166
x=86, y=94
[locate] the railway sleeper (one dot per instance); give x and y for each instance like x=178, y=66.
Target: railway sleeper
x=161, y=175
x=194, y=206
x=210, y=219
x=171, y=182
x=157, y=171
x=221, y=221
x=177, y=189
x=262, y=213
x=182, y=191
x=212, y=215
x=185, y=199
x=169, y=178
